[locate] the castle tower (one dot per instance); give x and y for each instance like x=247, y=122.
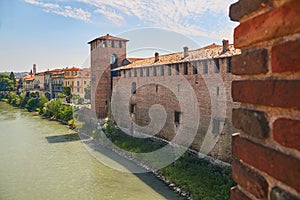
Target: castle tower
x=107, y=52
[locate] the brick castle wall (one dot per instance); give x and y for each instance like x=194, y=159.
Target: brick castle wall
x=169, y=90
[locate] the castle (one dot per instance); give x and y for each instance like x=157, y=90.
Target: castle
x=189, y=91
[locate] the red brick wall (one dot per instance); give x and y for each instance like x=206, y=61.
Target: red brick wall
x=266, y=151
x=154, y=90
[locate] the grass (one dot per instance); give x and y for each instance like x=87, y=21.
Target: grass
x=197, y=176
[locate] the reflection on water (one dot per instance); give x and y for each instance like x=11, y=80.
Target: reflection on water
x=42, y=159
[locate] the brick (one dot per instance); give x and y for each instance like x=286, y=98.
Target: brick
x=275, y=93
x=250, y=180
x=285, y=57
x=251, y=122
x=246, y=7
x=279, y=194
x=286, y=132
x=250, y=62
x=279, y=22
x=278, y=165
x=236, y=194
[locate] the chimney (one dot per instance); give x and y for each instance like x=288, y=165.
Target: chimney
x=225, y=45
x=156, y=56
x=185, y=52
x=34, y=69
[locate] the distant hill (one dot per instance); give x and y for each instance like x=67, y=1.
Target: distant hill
x=17, y=74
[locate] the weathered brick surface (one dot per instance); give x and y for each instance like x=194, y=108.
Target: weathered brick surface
x=244, y=63
x=251, y=122
x=275, y=93
x=286, y=57
x=236, y=194
x=168, y=91
x=250, y=180
x=280, y=194
x=278, y=165
x=286, y=132
x=282, y=21
x=246, y=7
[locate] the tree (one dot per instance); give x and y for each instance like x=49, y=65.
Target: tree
x=87, y=92
x=67, y=91
x=80, y=100
x=5, y=83
x=13, y=78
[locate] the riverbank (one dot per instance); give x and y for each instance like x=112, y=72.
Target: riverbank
x=52, y=109
x=189, y=176
x=42, y=159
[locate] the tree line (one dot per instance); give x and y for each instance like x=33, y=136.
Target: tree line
x=53, y=108
x=7, y=82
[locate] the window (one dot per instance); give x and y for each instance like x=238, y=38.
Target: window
x=104, y=44
x=162, y=70
x=186, y=68
x=217, y=91
x=147, y=71
x=72, y=83
x=133, y=88
x=154, y=71
x=169, y=70
x=216, y=126
x=132, y=108
x=113, y=44
x=195, y=69
x=78, y=84
x=177, y=116
x=217, y=66
x=141, y=72
x=120, y=44
x=156, y=88
x=135, y=73
x=177, y=68
x=129, y=73
x=124, y=73
x=228, y=65
x=84, y=82
x=78, y=89
x=205, y=67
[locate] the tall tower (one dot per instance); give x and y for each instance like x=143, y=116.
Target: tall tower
x=107, y=52
x=34, y=69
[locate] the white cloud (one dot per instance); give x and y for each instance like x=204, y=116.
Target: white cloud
x=66, y=11
x=183, y=16
x=111, y=15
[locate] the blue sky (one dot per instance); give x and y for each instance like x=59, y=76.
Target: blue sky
x=54, y=34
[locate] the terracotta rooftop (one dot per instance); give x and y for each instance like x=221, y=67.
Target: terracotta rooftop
x=207, y=52
x=108, y=37
x=72, y=69
x=28, y=77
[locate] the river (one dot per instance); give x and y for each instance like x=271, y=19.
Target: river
x=42, y=159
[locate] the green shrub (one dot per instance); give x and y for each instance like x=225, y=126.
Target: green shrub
x=80, y=100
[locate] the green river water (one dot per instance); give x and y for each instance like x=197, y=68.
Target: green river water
x=40, y=159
